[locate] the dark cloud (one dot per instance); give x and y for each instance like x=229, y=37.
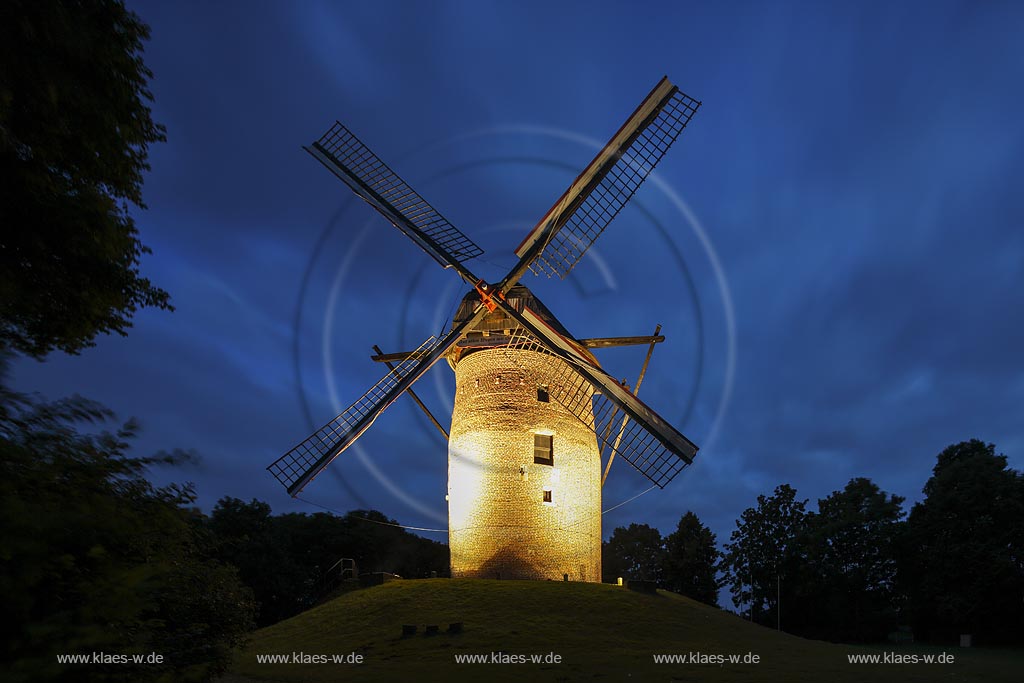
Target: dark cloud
x=855, y=167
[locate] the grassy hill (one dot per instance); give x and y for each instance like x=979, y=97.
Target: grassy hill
x=601, y=632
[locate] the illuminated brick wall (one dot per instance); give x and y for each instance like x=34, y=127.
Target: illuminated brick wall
x=499, y=524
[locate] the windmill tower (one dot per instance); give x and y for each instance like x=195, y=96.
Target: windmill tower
x=524, y=473
x=534, y=413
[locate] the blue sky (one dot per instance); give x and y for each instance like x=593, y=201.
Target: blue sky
x=855, y=169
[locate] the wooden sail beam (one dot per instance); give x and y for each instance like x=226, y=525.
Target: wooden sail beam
x=591, y=343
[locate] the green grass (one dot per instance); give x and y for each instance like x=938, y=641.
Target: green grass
x=602, y=632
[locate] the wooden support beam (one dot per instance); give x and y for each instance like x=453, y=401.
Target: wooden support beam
x=389, y=358
x=592, y=343
x=412, y=394
x=625, y=418
x=606, y=342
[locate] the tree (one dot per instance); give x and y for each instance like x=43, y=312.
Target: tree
x=246, y=536
x=764, y=557
x=97, y=559
x=290, y=560
x=75, y=130
x=963, y=556
x=691, y=560
x=634, y=552
x=851, y=564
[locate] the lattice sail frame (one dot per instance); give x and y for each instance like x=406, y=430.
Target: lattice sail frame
x=574, y=392
x=291, y=466
x=299, y=466
x=595, y=198
x=374, y=181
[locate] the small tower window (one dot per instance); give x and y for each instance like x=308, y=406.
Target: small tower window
x=547, y=495
x=543, y=449
x=542, y=393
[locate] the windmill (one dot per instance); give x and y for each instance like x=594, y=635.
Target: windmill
x=534, y=413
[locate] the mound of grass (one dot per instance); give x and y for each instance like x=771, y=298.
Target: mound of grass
x=599, y=632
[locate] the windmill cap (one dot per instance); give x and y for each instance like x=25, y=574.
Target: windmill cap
x=492, y=331
x=497, y=321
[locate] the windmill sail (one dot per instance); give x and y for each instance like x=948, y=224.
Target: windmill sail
x=647, y=442
x=373, y=181
x=555, y=246
x=582, y=213
x=300, y=465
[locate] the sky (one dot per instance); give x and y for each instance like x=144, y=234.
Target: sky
x=834, y=247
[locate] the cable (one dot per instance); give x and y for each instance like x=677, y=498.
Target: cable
x=451, y=314
x=629, y=500
x=367, y=519
x=444, y=531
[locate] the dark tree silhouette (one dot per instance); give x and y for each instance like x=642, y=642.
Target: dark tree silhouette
x=634, y=552
x=850, y=575
x=97, y=559
x=244, y=535
x=764, y=556
x=963, y=557
x=288, y=559
x=75, y=130
x=691, y=560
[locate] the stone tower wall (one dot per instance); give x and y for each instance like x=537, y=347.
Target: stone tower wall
x=499, y=524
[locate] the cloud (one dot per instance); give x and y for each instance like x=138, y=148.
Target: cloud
x=856, y=169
